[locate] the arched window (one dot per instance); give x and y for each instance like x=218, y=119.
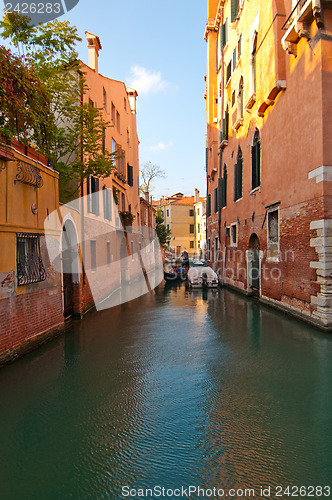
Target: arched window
x=256, y=160
x=238, y=168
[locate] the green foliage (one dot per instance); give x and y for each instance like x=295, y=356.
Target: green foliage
x=24, y=101
x=74, y=130
x=163, y=233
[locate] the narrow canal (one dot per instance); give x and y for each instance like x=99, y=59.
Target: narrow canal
x=177, y=388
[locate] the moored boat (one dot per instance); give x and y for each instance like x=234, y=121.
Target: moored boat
x=202, y=277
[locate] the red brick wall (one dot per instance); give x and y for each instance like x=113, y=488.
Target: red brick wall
x=291, y=280
x=24, y=318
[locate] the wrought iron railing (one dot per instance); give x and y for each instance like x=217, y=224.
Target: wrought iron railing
x=28, y=174
x=30, y=268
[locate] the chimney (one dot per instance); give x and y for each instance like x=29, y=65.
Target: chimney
x=146, y=194
x=132, y=96
x=94, y=47
x=196, y=195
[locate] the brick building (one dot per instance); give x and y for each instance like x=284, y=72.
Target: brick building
x=30, y=288
x=269, y=151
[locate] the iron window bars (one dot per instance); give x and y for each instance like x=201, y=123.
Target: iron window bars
x=30, y=268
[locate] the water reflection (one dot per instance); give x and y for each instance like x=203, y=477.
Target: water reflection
x=177, y=387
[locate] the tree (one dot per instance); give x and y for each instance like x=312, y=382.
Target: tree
x=24, y=101
x=163, y=233
x=148, y=172
x=76, y=131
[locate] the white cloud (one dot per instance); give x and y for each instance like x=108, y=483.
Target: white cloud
x=145, y=81
x=161, y=146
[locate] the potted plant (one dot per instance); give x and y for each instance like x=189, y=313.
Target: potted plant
x=127, y=218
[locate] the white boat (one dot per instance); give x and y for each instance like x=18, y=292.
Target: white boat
x=202, y=277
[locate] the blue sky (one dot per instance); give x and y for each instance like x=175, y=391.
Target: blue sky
x=158, y=48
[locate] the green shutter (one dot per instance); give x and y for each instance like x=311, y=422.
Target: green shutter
x=253, y=168
x=220, y=192
x=233, y=11
x=222, y=36
x=235, y=182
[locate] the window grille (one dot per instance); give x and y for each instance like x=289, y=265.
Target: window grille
x=30, y=268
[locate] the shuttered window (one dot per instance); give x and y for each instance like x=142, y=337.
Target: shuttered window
x=256, y=161
x=93, y=195
x=208, y=205
x=238, y=167
x=216, y=200
x=234, y=9
x=130, y=175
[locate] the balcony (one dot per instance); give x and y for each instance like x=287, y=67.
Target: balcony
x=298, y=23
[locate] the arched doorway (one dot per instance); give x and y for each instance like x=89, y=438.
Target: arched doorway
x=70, y=268
x=254, y=265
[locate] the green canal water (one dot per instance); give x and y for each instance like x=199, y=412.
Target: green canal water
x=175, y=389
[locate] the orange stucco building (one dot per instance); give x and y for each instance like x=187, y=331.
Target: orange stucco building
x=269, y=151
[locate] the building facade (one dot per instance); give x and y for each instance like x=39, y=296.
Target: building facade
x=95, y=224
x=30, y=288
x=182, y=217
x=269, y=151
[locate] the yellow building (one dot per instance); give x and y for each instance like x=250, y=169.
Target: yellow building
x=30, y=289
x=181, y=218
x=200, y=224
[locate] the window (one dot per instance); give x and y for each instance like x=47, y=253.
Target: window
x=233, y=98
x=198, y=228
x=128, y=136
x=240, y=99
x=234, y=59
x=225, y=126
x=222, y=189
x=93, y=195
x=239, y=47
x=167, y=213
x=228, y=72
x=93, y=250
x=113, y=113
x=215, y=249
x=273, y=234
x=216, y=200
x=107, y=199
x=256, y=161
x=130, y=175
x=30, y=268
x=104, y=99
x=192, y=228
x=167, y=226
x=252, y=64
x=191, y=213
x=234, y=235
x=235, y=4
x=208, y=206
x=125, y=104
x=191, y=244
x=108, y=253
x=91, y=104
x=223, y=34
x=198, y=211
x=118, y=121
x=123, y=202
x=238, y=168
